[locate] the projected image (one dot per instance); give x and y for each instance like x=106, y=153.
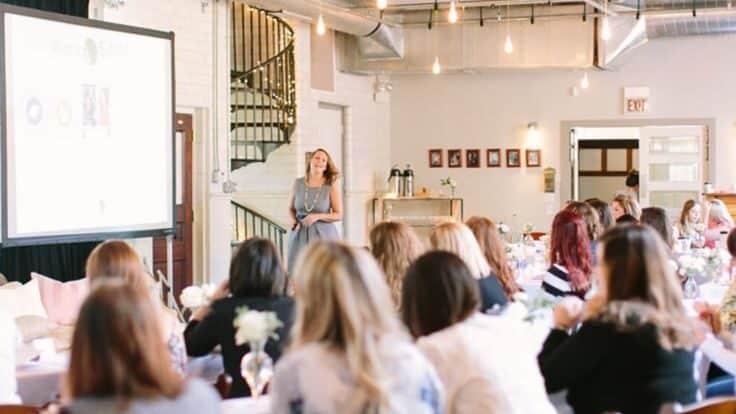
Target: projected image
x=89, y=117
x=34, y=111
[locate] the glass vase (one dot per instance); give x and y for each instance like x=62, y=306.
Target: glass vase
x=691, y=288
x=256, y=367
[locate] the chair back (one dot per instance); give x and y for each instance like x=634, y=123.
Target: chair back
x=712, y=406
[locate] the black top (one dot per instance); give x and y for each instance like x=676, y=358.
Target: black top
x=491, y=293
x=217, y=328
x=605, y=369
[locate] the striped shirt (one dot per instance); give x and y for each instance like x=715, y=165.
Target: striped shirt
x=556, y=281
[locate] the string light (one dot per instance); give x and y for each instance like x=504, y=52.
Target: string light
x=605, y=26
x=436, y=68
x=452, y=15
x=381, y=4
x=584, y=82
x=321, y=29
x=508, y=45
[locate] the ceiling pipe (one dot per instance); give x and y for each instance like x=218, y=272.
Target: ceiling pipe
x=376, y=39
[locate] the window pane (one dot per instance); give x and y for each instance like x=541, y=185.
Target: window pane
x=670, y=199
x=590, y=160
x=684, y=173
x=673, y=145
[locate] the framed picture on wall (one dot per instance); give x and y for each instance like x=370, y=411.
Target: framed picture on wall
x=533, y=158
x=454, y=158
x=472, y=158
x=435, y=158
x=493, y=157
x=513, y=158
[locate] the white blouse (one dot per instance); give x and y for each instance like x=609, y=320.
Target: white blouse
x=316, y=379
x=8, y=339
x=488, y=365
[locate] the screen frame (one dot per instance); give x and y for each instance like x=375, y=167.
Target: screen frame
x=6, y=241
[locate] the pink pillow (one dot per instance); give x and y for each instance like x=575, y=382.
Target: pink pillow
x=62, y=300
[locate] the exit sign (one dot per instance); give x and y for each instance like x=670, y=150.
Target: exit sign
x=636, y=100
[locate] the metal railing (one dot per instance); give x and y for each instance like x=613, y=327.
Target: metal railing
x=262, y=84
x=249, y=223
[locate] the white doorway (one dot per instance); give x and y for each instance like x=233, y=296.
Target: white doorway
x=330, y=129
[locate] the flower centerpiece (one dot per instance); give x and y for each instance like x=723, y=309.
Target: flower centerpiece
x=690, y=267
x=716, y=261
x=449, y=182
x=194, y=297
x=255, y=328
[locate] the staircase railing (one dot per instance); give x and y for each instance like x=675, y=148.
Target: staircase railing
x=262, y=84
x=249, y=223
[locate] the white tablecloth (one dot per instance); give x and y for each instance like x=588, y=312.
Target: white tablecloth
x=246, y=405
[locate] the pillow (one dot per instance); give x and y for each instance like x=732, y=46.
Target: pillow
x=32, y=327
x=61, y=300
x=23, y=300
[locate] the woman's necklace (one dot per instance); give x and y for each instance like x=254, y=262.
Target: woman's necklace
x=306, y=196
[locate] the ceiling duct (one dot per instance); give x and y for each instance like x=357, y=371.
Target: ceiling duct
x=376, y=40
x=663, y=19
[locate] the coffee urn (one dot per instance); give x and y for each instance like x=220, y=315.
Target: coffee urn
x=395, y=181
x=408, y=179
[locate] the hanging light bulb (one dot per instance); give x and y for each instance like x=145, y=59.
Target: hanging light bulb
x=605, y=29
x=321, y=25
x=381, y=4
x=452, y=16
x=508, y=46
x=584, y=82
x=436, y=68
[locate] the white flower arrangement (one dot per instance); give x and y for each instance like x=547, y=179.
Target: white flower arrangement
x=503, y=228
x=197, y=296
x=450, y=182
x=255, y=326
x=690, y=265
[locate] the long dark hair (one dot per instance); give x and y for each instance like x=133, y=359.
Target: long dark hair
x=605, y=217
x=256, y=270
x=570, y=248
x=656, y=217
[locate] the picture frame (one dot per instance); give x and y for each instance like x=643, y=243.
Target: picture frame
x=435, y=158
x=472, y=158
x=454, y=158
x=513, y=158
x=493, y=157
x=533, y=158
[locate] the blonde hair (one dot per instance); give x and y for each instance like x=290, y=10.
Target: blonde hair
x=395, y=247
x=457, y=238
x=331, y=172
x=343, y=302
x=115, y=258
x=719, y=212
x=630, y=206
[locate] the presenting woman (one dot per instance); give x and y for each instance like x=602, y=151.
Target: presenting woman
x=314, y=205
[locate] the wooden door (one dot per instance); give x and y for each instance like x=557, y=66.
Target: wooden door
x=182, y=244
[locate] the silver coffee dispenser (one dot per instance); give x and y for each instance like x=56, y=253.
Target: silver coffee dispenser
x=395, y=181
x=408, y=179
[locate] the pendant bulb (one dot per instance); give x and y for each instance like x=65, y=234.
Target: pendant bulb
x=605, y=29
x=452, y=15
x=584, y=82
x=436, y=68
x=381, y=4
x=321, y=29
x=508, y=45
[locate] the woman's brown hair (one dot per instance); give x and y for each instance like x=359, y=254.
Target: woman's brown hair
x=656, y=218
x=117, y=347
x=493, y=249
x=605, y=217
x=112, y=259
x=256, y=270
x=689, y=204
x=638, y=285
x=629, y=205
x=331, y=172
x=438, y=292
x=395, y=246
x=589, y=215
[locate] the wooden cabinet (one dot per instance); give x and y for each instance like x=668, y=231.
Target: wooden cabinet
x=729, y=199
x=422, y=214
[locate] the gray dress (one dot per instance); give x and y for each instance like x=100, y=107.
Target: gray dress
x=318, y=201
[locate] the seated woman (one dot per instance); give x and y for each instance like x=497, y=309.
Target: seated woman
x=119, y=362
x=569, y=273
x=486, y=363
x=592, y=223
x=656, y=218
x=605, y=217
x=690, y=225
x=256, y=282
x=8, y=341
x=634, y=349
x=395, y=246
x=624, y=204
x=719, y=223
x=349, y=354
x=116, y=259
x=457, y=238
x=494, y=250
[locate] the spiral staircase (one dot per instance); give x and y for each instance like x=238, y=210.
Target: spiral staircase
x=262, y=84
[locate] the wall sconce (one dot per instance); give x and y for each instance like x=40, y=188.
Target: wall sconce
x=533, y=136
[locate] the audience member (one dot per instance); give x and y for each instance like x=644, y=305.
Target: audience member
x=485, y=363
x=570, y=269
x=624, y=204
x=494, y=250
x=257, y=282
x=605, y=217
x=633, y=351
x=395, y=246
x=656, y=218
x=627, y=219
x=719, y=222
x=592, y=223
x=349, y=354
x=690, y=225
x=116, y=259
x=119, y=362
x=457, y=238
x=8, y=341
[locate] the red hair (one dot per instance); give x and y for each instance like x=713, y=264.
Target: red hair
x=570, y=248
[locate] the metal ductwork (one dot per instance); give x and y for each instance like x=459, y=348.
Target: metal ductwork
x=663, y=19
x=376, y=40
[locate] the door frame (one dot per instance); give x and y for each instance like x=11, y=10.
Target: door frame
x=565, y=170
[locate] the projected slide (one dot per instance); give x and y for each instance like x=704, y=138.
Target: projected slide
x=88, y=130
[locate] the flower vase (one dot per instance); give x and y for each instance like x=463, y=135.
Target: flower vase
x=691, y=288
x=256, y=367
